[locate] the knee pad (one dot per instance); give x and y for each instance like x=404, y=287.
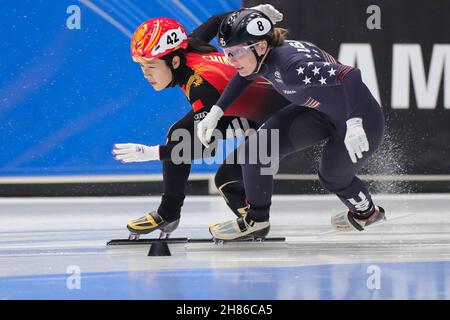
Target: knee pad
x=227, y=173
x=221, y=176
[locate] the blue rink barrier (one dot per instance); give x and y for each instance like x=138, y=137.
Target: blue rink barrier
x=67, y=95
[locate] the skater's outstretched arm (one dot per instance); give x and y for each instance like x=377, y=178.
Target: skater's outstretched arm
x=208, y=30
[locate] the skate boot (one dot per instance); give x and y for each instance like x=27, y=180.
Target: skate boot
x=349, y=221
x=149, y=223
x=240, y=228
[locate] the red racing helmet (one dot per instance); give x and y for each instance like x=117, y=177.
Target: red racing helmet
x=156, y=38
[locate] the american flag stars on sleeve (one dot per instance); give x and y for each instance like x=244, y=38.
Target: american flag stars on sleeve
x=317, y=73
x=326, y=70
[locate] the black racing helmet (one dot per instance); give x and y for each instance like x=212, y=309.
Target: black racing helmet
x=244, y=26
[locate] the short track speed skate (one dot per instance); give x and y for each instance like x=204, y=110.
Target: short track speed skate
x=348, y=221
x=241, y=228
x=149, y=223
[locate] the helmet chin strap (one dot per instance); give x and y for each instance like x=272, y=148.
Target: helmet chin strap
x=259, y=59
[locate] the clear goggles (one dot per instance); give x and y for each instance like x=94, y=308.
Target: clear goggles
x=238, y=51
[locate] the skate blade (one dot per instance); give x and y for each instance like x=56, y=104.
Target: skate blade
x=137, y=236
x=385, y=220
x=242, y=239
x=164, y=235
x=245, y=239
x=125, y=242
x=134, y=236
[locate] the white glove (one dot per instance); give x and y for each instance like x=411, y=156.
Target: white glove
x=206, y=127
x=273, y=14
x=355, y=139
x=131, y=152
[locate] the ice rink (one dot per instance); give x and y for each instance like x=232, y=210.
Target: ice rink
x=55, y=248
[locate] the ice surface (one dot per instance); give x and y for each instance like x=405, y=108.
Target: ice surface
x=43, y=237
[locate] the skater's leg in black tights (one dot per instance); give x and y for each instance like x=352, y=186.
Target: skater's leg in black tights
x=337, y=173
x=229, y=183
x=175, y=179
x=298, y=128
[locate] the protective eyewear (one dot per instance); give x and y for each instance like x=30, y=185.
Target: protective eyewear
x=238, y=51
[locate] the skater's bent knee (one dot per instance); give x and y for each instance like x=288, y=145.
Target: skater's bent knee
x=335, y=183
x=221, y=176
